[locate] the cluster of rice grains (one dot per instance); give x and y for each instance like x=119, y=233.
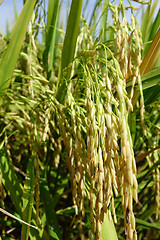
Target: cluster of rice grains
x=102, y=162
x=128, y=48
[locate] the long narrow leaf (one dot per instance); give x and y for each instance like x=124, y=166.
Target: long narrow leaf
x=71, y=33
x=69, y=44
x=9, y=60
x=148, y=15
x=28, y=196
x=15, y=190
x=53, y=7
x=155, y=25
x=53, y=227
x=104, y=19
x=149, y=80
x=152, y=55
x=10, y=181
x=143, y=223
x=108, y=229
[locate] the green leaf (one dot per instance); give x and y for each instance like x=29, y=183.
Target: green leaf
x=9, y=59
x=155, y=26
x=69, y=45
x=71, y=33
x=104, y=19
x=48, y=203
x=52, y=18
x=147, y=18
x=15, y=191
x=143, y=223
x=147, y=224
x=10, y=181
x=149, y=80
x=28, y=197
x=108, y=229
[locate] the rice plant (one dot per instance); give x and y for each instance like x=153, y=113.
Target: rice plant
x=79, y=124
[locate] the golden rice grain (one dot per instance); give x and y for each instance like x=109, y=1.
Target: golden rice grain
x=132, y=220
x=135, y=235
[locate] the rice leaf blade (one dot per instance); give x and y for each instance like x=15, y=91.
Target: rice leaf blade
x=53, y=226
x=15, y=190
x=151, y=55
x=52, y=18
x=69, y=45
x=108, y=229
x=28, y=197
x=9, y=60
x=10, y=181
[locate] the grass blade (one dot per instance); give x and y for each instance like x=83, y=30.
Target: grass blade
x=15, y=190
x=71, y=33
x=104, y=20
x=143, y=223
x=155, y=25
x=9, y=60
x=108, y=229
x=28, y=196
x=10, y=181
x=147, y=19
x=149, y=80
x=147, y=224
x=69, y=44
x=53, y=7
x=53, y=226
x=152, y=55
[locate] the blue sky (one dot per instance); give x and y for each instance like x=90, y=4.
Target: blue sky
x=7, y=11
